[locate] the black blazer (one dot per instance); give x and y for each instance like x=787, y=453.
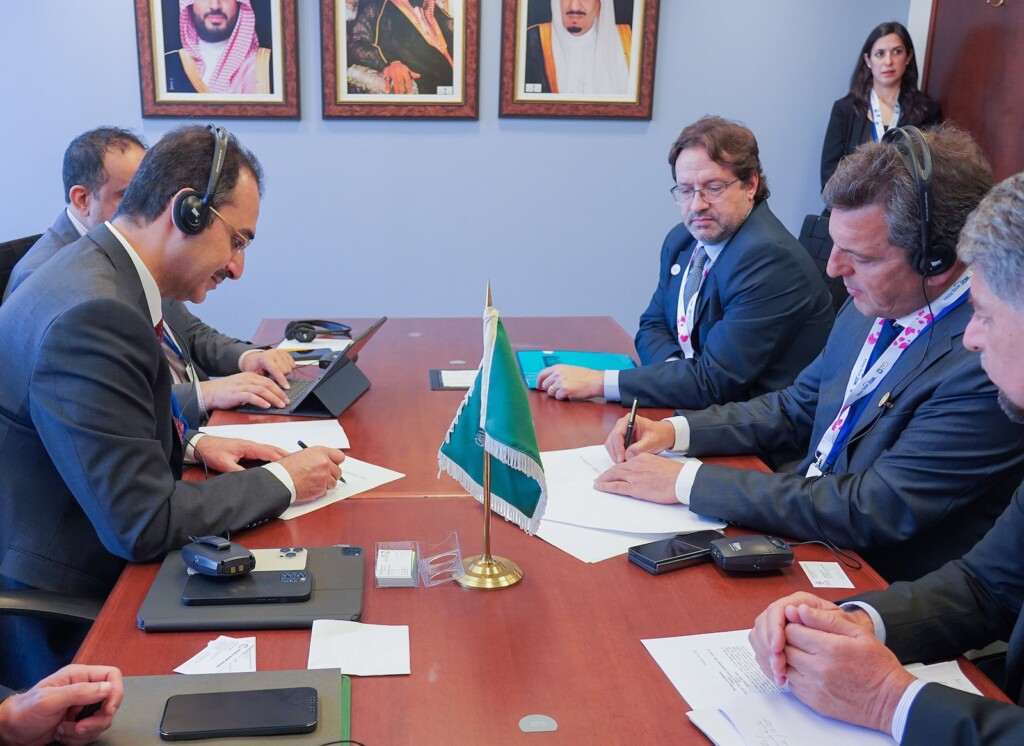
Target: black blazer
x=965, y=604
x=848, y=128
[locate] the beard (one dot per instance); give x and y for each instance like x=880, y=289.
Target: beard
x=1014, y=411
x=213, y=35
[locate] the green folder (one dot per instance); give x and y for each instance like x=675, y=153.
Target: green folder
x=138, y=719
x=532, y=362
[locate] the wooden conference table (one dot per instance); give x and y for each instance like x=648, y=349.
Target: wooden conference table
x=565, y=642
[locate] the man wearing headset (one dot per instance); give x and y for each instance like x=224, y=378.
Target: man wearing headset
x=98, y=165
x=908, y=460
x=845, y=661
x=91, y=453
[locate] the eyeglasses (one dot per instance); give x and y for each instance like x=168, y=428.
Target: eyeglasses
x=239, y=241
x=709, y=193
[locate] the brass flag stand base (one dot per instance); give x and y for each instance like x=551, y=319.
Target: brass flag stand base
x=488, y=572
x=484, y=571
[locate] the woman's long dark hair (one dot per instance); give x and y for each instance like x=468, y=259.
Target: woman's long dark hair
x=913, y=103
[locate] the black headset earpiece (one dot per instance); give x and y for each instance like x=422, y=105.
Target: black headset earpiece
x=930, y=258
x=306, y=330
x=192, y=209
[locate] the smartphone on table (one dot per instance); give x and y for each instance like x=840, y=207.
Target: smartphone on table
x=256, y=712
x=675, y=553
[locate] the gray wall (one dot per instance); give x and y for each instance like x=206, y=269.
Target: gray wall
x=411, y=218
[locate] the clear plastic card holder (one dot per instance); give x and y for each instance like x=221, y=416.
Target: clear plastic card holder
x=395, y=564
x=442, y=562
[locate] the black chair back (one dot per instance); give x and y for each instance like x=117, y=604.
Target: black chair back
x=815, y=238
x=10, y=253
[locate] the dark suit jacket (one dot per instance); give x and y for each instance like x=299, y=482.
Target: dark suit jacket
x=762, y=316
x=849, y=127
x=89, y=456
x=211, y=352
x=966, y=604
x=918, y=484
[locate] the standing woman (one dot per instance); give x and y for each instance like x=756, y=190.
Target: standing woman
x=883, y=94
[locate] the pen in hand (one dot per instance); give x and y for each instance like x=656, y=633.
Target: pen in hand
x=629, y=426
x=303, y=445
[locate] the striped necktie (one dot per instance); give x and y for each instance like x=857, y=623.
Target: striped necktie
x=693, y=277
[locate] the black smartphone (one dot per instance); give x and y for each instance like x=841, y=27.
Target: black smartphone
x=675, y=553
x=259, y=712
x=259, y=587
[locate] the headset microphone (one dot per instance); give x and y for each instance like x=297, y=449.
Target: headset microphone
x=191, y=209
x=931, y=258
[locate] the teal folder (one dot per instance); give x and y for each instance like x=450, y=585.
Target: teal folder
x=532, y=362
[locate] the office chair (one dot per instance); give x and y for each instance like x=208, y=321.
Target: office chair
x=79, y=612
x=10, y=253
x=815, y=238
x=49, y=605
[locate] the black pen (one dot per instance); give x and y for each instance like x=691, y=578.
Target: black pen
x=629, y=426
x=303, y=445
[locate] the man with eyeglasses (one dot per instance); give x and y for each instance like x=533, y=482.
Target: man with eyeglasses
x=98, y=165
x=740, y=308
x=91, y=453
x=907, y=457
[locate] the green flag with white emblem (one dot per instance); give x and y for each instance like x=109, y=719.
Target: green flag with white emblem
x=495, y=417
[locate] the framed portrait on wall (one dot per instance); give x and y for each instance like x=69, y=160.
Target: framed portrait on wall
x=218, y=58
x=578, y=58
x=400, y=58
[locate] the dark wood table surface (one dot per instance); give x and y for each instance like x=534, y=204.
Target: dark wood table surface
x=565, y=642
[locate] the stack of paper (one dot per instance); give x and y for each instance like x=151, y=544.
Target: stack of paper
x=592, y=525
x=735, y=704
x=359, y=476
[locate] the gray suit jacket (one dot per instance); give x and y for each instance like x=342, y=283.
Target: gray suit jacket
x=89, y=455
x=918, y=484
x=966, y=604
x=211, y=352
x=761, y=317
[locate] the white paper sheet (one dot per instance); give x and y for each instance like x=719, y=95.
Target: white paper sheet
x=359, y=649
x=458, y=378
x=735, y=703
x=572, y=498
x=223, y=655
x=826, y=575
x=286, y=435
x=333, y=343
x=360, y=477
x=710, y=669
x=948, y=673
x=593, y=544
x=783, y=720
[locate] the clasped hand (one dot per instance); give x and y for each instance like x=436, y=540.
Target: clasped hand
x=831, y=660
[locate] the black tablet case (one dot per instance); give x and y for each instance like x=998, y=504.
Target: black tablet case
x=337, y=594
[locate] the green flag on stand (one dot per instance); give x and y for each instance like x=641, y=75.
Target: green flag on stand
x=495, y=416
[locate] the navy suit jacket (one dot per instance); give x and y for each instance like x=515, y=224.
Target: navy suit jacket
x=90, y=459
x=966, y=604
x=762, y=315
x=918, y=484
x=211, y=352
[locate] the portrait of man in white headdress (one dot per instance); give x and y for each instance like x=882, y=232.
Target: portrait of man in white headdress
x=581, y=51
